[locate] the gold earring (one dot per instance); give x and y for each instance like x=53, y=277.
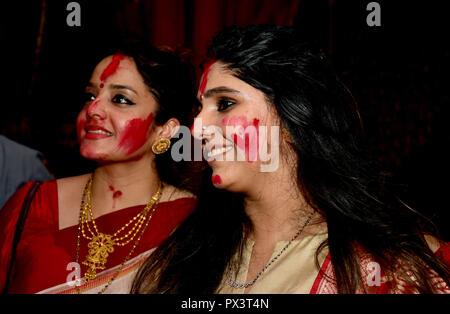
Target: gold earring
x=161, y=145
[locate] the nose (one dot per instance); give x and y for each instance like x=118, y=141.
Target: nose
x=96, y=109
x=200, y=125
x=205, y=126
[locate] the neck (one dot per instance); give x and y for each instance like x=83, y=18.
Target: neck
x=123, y=184
x=277, y=209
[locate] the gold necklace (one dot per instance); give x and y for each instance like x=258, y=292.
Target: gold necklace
x=238, y=285
x=101, y=245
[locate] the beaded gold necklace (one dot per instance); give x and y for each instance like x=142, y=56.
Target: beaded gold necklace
x=238, y=285
x=101, y=245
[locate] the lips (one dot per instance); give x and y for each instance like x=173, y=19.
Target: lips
x=212, y=152
x=95, y=132
x=218, y=151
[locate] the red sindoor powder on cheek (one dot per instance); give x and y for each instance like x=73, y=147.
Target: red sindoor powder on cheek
x=249, y=143
x=111, y=68
x=135, y=134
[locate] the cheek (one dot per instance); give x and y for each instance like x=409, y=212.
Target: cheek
x=246, y=135
x=81, y=122
x=135, y=134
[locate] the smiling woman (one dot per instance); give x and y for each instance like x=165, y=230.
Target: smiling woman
x=130, y=112
x=323, y=221
x=106, y=223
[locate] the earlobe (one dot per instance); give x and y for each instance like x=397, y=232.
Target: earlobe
x=167, y=130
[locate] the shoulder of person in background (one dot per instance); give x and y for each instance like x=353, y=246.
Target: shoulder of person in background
x=18, y=165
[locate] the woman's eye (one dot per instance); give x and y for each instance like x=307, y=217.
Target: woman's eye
x=89, y=97
x=224, y=103
x=121, y=99
x=198, y=105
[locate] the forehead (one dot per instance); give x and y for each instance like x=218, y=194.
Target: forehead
x=126, y=69
x=220, y=76
x=218, y=73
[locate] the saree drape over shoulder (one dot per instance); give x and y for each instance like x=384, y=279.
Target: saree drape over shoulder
x=295, y=271
x=45, y=253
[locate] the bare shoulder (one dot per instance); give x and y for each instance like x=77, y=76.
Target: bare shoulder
x=433, y=243
x=67, y=186
x=70, y=190
x=171, y=193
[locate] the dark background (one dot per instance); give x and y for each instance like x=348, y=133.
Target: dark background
x=398, y=72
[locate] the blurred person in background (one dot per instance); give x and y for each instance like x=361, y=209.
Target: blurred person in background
x=19, y=164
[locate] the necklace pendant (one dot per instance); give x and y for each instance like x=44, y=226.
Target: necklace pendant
x=90, y=274
x=100, y=247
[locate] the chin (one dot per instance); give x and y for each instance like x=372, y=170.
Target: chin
x=92, y=154
x=233, y=188
x=225, y=182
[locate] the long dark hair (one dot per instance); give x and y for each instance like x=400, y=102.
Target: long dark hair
x=334, y=175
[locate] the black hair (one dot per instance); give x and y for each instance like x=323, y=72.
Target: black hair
x=334, y=174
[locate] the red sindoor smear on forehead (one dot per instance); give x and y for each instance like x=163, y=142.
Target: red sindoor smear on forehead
x=205, y=78
x=111, y=68
x=135, y=134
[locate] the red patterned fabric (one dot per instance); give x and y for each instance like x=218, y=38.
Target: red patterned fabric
x=325, y=282
x=444, y=253
x=45, y=251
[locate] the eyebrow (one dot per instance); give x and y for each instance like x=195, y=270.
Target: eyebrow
x=116, y=86
x=221, y=89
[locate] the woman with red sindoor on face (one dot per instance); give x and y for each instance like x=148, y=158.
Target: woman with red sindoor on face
x=322, y=220
x=89, y=233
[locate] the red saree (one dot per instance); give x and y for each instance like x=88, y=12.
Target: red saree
x=44, y=251
x=325, y=281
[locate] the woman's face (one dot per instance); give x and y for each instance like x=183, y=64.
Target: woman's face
x=232, y=112
x=116, y=122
